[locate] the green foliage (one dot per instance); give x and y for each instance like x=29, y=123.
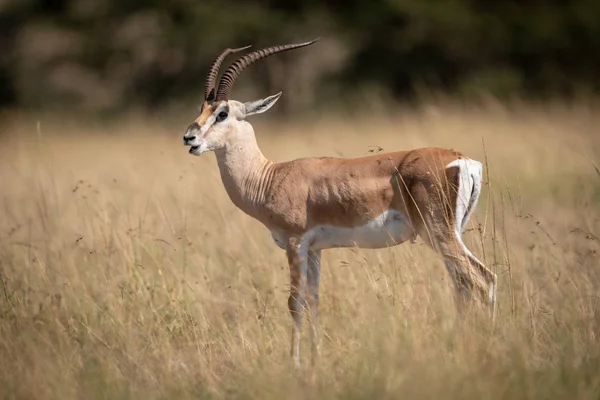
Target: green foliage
x=114, y=55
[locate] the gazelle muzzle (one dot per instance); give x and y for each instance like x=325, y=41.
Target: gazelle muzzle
x=190, y=134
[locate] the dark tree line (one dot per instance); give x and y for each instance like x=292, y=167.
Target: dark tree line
x=120, y=54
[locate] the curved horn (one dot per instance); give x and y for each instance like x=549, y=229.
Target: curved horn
x=211, y=79
x=234, y=70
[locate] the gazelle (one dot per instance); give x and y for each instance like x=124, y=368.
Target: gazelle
x=313, y=204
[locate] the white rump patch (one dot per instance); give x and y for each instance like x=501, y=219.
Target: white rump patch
x=469, y=189
x=388, y=229
x=469, y=186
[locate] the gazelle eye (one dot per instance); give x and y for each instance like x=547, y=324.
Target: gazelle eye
x=222, y=115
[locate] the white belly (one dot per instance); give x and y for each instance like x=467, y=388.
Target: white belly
x=388, y=229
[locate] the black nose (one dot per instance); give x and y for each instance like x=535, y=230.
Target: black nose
x=190, y=133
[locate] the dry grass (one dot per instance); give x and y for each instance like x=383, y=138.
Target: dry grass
x=127, y=273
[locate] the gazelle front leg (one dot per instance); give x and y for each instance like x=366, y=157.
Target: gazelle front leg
x=297, y=260
x=313, y=277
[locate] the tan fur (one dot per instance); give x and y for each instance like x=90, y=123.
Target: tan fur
x=207, y=111
x=295, y=198
x=348, y=192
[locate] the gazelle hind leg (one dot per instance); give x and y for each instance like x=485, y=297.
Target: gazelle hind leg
x=470, y=175
x=441, y=237
x=441, y=225
x=472, y=280
x=489, y=276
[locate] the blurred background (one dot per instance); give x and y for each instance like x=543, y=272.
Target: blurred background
x=105, y=58
x=126, y=271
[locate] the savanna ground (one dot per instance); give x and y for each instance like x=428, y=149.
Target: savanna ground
x=127, y=273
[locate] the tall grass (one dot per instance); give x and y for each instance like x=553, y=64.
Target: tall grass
x=126, y=272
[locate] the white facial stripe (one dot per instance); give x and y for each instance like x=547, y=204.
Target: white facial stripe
x=211, y=120
x=207, y=125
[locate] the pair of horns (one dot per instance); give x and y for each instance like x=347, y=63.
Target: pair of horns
x=235, y=69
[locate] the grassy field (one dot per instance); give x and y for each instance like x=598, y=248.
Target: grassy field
x=126, y=272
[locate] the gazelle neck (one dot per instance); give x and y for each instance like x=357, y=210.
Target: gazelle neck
x=246, y=173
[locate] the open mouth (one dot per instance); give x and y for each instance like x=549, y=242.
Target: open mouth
x=193, y=149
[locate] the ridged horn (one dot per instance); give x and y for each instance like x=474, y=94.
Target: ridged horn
x=235, y=69
x=211, y=79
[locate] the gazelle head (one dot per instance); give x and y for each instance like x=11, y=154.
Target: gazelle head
x=223, y=121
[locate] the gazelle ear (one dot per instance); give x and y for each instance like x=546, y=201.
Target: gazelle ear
x=260, y=106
